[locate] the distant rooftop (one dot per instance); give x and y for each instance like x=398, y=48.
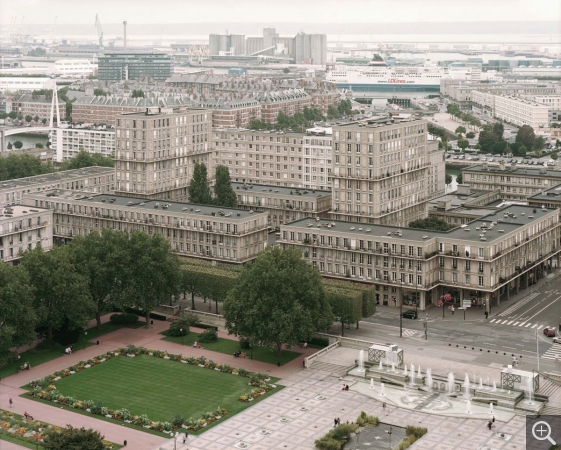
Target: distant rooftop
x=265, y=189
x=551, y=194
x=538, y=171
x=56, y=176
x=9, y=212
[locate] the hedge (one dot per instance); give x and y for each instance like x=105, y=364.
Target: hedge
x=124, y=318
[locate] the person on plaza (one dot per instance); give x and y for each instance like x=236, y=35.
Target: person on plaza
x=490, y=425
x=453, y=309
x=335, y=422
x=305, y=345
x=11, y=403
x=493, y=419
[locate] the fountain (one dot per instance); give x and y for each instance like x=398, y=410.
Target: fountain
x=380, y=366
x=494, y=386
x=419, y=374
x=466, y=385
x=371, y=383
x=361, y=361
x=428, y=380
x=405, y=370
x=412, y=382
x=480, y=383
x=393, y=367
x=468, y=406
x=529, y=389
x=382, y=390
x=451, y=383
x=491, y=408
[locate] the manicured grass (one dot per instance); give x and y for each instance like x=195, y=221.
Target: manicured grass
x=157, y=387
x=229, y=347
x=41, y=356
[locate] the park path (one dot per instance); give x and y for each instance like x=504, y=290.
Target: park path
x=140, y=337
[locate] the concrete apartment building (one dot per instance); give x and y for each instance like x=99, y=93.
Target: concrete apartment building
x=289, y=102
x=156, y=151
x=198, y=231
x=549, y=198
x=513, y=182
x=504, y=250
x=23, y=228
x=116, y=66
x=91, y=179
x=35, y=105
x=283, y=204
x=104, y=110
x=520, y=112
x=68, y=140
x=380, y=171
x=317, y=160
x=553, y=102
x=17, y=84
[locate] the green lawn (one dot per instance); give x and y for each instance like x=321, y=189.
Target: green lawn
x=157, y=387
x=229, y=347
x=41, y=356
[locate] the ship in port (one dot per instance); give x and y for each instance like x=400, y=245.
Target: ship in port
x=378, y=76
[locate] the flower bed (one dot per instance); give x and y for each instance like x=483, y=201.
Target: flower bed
x=45, y=389
x=30, y=431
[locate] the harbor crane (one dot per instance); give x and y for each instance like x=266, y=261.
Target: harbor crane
x=99, y=31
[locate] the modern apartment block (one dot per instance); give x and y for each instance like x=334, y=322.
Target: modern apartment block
x=380, y=171
x=549, y=198
x=520, y=112
x=68, y=140
x=156, y=151
x=506, y=249
x=283, y=204
x=23, y=228
x=91, y=179
x=198, y=231
x=317, y=161
x=513, y=182
x=116, y=66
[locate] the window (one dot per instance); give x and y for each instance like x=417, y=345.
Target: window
x=481, y=252
x=481, y=283
x=467, y=279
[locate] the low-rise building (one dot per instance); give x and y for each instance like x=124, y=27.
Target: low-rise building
x=549, y=198
x=283, y=204
x=520, y=112
x=514, y=182
x=504, y=250
x=198, y=231
x=234, y=113
x=36, y=106
x=23, y=228
x=68, y=140
x=22, y=83
x=91, y=179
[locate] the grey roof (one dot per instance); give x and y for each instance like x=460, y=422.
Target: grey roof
x=523, y=215
x=537, y=172
x=551, y=194
x=147, y=102
x=10, y=212
x=56, y=176
x=266, y=189
x=457, y=200
x=154, y=206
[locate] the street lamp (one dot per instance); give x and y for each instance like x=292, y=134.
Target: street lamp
x=181, y=330
x=390, y=433
x=85, y=334
x=175, y=440
x=17, y=364
x=357, y=437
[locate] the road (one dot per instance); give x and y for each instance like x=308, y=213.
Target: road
x=513, y=329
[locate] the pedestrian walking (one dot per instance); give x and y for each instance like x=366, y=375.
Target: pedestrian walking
x=453, y=309
x=490, y=425
x=335, y=422
x=493, y=419
x=338, y=421
x=125, y=443
x=11, y=403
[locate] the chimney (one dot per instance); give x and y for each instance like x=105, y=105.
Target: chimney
x=501, y=166
x=513, y=166
x=485, y=166
x=463, y=189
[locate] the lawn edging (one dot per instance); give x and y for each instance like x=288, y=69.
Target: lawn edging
x=44, y=390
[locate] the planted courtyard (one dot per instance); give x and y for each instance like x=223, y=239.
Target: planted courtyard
x=154, y=390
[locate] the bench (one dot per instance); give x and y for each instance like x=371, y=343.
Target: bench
x=243, y=355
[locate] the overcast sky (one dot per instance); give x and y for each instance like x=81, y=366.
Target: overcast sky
x=265, y=11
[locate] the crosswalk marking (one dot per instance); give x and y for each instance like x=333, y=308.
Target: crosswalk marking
x=410, y=333
x=510, y=322
x=553, y=352
x=535, y=325
x=518, y=305
x=522, y=324
x=492, y=320
x=505, y=321
x=515, y=324
x=527, y=325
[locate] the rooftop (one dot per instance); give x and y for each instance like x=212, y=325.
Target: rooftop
x=9, y=212
x=497, y=224
x=155, y=206
x=538, y=171
x=55, y=177
x=551, y=194
x=265, y=189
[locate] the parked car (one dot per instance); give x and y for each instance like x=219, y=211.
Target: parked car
x=491, y=159
x=549, y=331
x=557, y=340
x=409, y=314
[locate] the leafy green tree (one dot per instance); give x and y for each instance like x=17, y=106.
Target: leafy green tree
x=470, y=134
x=100, y=92
x=18, y=144
x=3, y=115
x=36, y=119
x=279, y=299
x=153, y=274
x=17, y=317
x=526, y=136
x=346, y=309
x=85, y=159
x=38, y=145
x=539, y=145
x=431, y=223
x=43, y=121
x=19, y=166
x=345, y=107
x=9, y=146
x=189, y=282
x=460, y=129
x=198, y=189
x=448, y=179
x=332, y=112
x=499, y=147
x=71, y=438
x=463, y=143
x=12, y=115
x=259, y=125
x=554, y=156
x=103, y=260
x=459, y=178
x=224, y=195
x=137, y=93
x=487, y=139
x=286, y=70
x=60, y=292
x=519, y=149
x=498, y=129
x=20, y=117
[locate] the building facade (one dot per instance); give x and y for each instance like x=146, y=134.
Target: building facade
x=116, y=66
x=492, y=256
x=156, y=151
x=198, y=231
x=36, y=106
x=310, y=49
x=68, y=140
x=317, y=161
x=521, y=112
x=283, y=204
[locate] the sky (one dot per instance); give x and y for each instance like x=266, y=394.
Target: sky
x=259, y=11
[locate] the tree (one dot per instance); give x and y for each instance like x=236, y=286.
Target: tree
x=36, y=119
x=279, y=299
x=526, y=136
x=103, y=260
x=3, y=115
x=18, y=144
x=224, y=195
x=199, y=192
x=12, y=115
x=519, y=149
x=463, y=143
x=448, y=179
x=71, y=438
x=137, y=93
x=460, y=129
x=17, y=317
x=498, y=130
x=554, y=156
x=470, y=134
x=459, y=178
x=345, y=107
x=332, y=112
x=19, y=166
x=43, y=121
x=487, y=139
x=38, y=145
x=189, y=282
x=100, y=92
x=346, y=309
x=85, y=159
x=431, y=223
x=152, y=275
x=60, y=292
x=9, y=146
x=256, y=124
x=20, y=117
x=286, y=70
x=539, y=144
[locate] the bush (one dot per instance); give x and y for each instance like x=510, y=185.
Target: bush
x=326, y=443
x=46, y=346
x=244, y=343
x=335, y=438
x=319, y=341
x=138, y=312
x=177, y=329
x=204, y=326
x=177, y=420
x=364, y=419
x=209, y=335
x=66, y=336
x=124, y=319
x=8, y=358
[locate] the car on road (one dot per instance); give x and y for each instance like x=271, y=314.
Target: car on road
x=491, y=159
x=549, y=331
x=409, y=314
x=557, y=340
